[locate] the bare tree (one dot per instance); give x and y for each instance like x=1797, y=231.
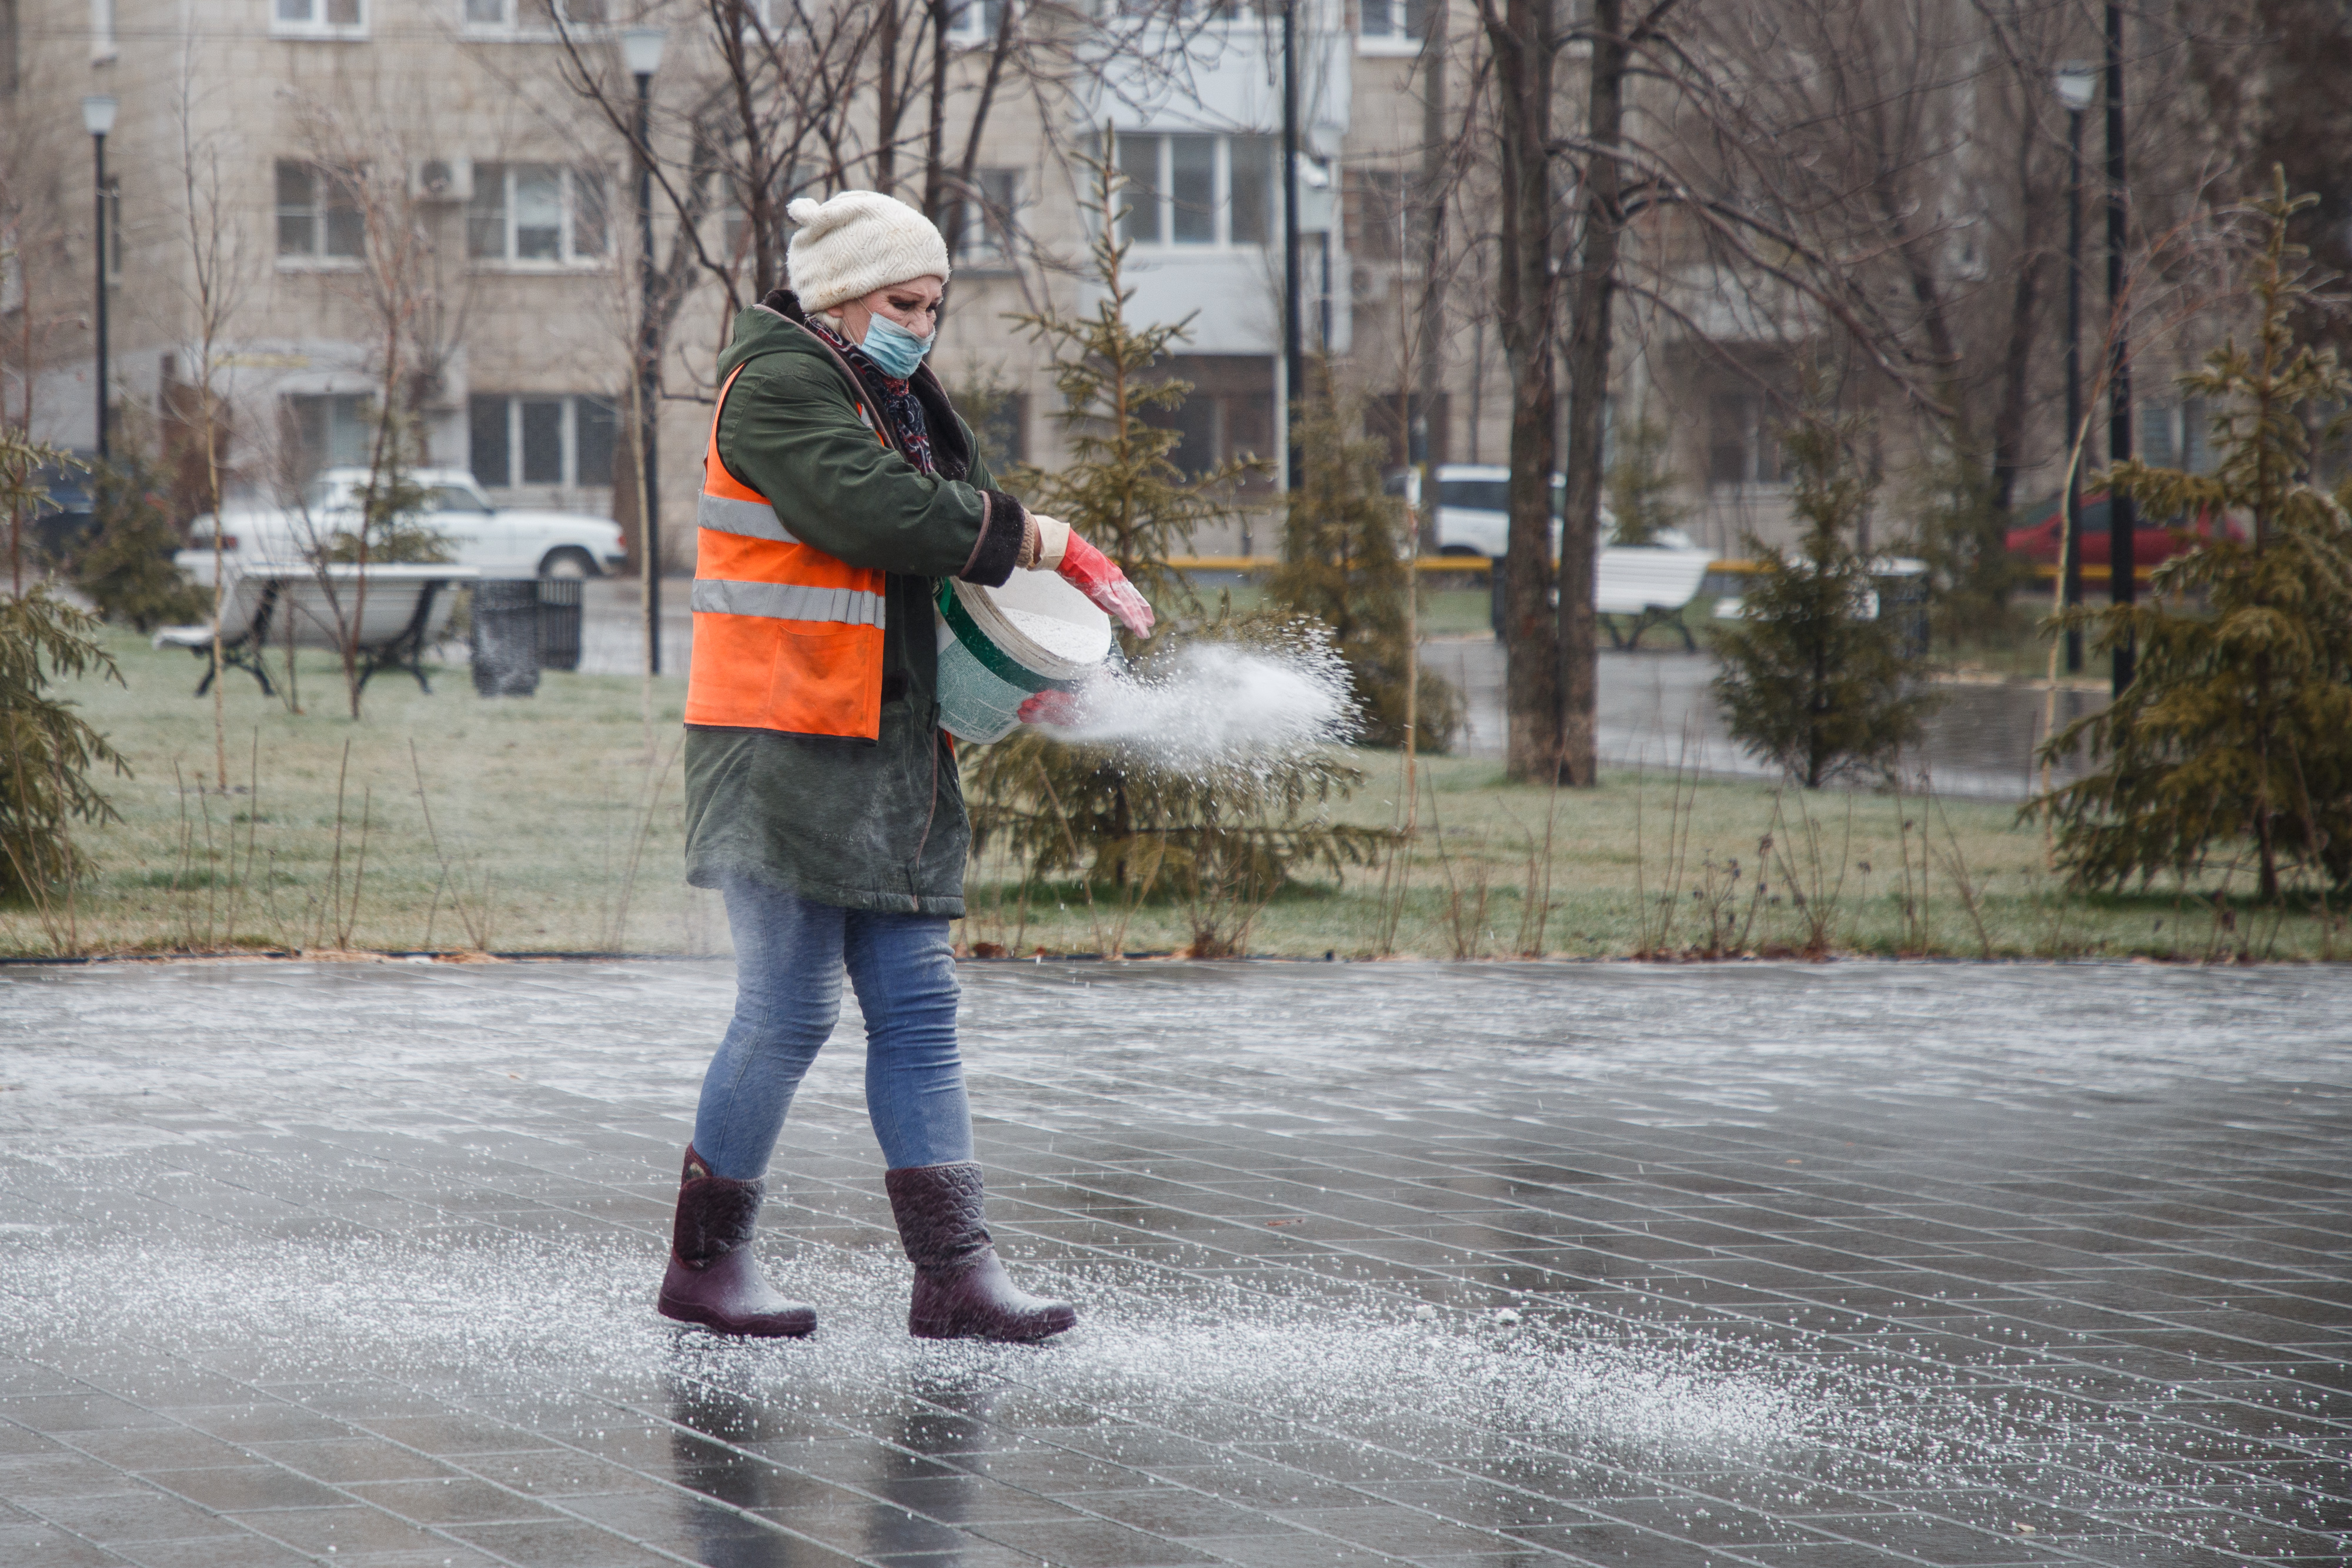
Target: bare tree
x=215, y=283
x=416, y=317
x=1524, y=41
x=1615, y=38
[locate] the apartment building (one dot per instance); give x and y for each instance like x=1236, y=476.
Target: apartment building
x=349, y=197
x=343, y=193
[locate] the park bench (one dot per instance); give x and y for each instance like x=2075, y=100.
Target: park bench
x=1651, y=583
x=269, y=603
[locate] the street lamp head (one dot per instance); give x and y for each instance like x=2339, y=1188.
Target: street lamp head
x=641, y=49
x=97, y=114
x=2077, y=82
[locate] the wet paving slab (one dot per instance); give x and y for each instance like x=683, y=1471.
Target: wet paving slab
x=1760, y=1265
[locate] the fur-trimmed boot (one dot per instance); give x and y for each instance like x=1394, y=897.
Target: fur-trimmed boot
x=713, y=1278
x=961, y=1291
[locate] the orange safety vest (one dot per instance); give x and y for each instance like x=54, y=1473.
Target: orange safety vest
x=786, y=637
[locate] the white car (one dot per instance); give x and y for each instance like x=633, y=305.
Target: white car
x=502, y=542
x=1474, y=510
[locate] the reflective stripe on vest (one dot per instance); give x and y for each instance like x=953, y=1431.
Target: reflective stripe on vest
x=753, y=519
x=787, y=602
x=786, y=637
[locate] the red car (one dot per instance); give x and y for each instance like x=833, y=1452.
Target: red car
x=2151, y=542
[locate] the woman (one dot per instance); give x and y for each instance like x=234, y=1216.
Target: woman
x=821, y=797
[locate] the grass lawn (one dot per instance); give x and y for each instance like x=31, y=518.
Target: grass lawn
x=554, y=827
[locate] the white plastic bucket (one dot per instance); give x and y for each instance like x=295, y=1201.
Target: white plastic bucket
x=1001, y=646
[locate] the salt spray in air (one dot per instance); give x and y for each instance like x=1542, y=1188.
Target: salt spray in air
x=1211, y=706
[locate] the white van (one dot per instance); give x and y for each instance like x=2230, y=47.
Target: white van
x=1473, y=515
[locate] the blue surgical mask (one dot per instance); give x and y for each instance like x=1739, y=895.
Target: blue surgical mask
x=895, y=351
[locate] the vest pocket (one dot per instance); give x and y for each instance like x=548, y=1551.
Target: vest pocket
x=826, y=679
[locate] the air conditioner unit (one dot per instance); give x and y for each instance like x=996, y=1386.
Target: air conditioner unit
x=442, y=180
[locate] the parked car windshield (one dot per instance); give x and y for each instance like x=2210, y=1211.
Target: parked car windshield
x=457, y=498
x=1492, y=494
x=68, y=488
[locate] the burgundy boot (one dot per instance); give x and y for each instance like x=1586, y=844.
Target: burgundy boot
x=961, y=1291
x=713, y=1279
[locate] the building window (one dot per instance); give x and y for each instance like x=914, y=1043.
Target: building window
x=1375, y=213
x=1425, y=433
x=533, y=18
x=1742, y=447
x=1227, y=413
x=7, y=48
x=973, y=22
x=101, y=31
x=536, y=439
x=318, y=19
x=318, y=214
x=1192, y=189
x=333, y=431
x=983, y=219
x=1001, y=429
x=1392, y=25
x=2176, y=436
x=735, y=217
x=536, y=212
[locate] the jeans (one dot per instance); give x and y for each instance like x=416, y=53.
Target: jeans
x=789, y=956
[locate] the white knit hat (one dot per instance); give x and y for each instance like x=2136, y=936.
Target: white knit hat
x=856, y=242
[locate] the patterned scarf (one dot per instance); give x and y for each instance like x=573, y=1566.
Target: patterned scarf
x=900, y=406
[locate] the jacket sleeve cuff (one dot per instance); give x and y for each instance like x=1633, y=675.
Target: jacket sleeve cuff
x=1004, y=528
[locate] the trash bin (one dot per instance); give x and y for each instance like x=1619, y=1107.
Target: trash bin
x=1498, y=590
x=504, y=637
x=559, y=622
x=1900, y=584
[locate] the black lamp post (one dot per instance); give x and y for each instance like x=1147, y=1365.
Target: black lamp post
x=641, y=51
x=1293, y=358
x=98, y=119
x=2077, y=84
x=2121, y=518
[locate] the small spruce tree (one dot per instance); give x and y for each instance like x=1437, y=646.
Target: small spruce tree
x=1343, y=564
x=1120, y=487
x=2237, y=727
x=125, y=569
x=1222, y=841
x=47, y=750
x=1642, y=483
x=1810, y=681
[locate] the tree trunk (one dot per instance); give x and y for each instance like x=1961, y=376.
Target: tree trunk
x=1527, y=310
x=1587, y=394
x=934, y=128
x=2014, y=404
x=1431, y=235
x=887, y=108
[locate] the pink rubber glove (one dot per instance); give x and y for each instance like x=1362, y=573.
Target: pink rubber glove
x=1090, y=571
x=1054, y=707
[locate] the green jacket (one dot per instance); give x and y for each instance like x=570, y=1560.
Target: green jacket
x=862, y=824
